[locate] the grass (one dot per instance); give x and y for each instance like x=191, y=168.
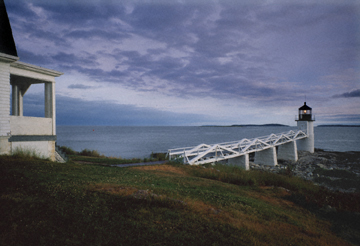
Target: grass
x=26, y=153
x=92, y=156
x=109, y=160
x=47, y=203
x=338, y=178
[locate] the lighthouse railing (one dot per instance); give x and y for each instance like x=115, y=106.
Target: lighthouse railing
x=312, y=118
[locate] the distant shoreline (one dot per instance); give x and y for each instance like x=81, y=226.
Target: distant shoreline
x=275, y=125
x=246, y=125
x=338, y=126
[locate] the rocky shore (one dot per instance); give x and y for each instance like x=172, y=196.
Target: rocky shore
x=338, y=171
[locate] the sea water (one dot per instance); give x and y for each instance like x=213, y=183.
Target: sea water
x=140, y=142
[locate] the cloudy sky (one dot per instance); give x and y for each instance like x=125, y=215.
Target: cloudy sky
x=192, y=62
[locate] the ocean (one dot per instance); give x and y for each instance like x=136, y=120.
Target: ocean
x=141, y=141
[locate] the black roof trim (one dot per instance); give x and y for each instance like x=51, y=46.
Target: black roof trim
x=7, y=43
x=305, y=107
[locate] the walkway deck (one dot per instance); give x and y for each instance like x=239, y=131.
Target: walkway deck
x=205, y=153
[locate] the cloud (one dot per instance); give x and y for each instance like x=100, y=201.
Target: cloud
x=32, y=58
x=73, y=111
x=83, y=58
x=354, y=93
x=254, y=52
x=96, y=33
x=341, y=118
x=79, y=86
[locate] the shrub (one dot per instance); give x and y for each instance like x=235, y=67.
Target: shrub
x=92, y=153
x=158, y=156
x=67, y=150
x=26, y=153
x=179, y=160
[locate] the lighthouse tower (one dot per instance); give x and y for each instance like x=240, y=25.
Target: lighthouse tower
x=305, y=122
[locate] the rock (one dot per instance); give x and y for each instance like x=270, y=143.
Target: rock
x=328, y=209
x=321, y=166
x=308, y=162
x=322, y=160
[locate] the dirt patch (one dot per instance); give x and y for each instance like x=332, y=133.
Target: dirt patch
x=300, y=229
x=163, y=169
x=133, y=192
x=200, y=207
x=90, y=163
x=85, y=162
x=114, y=189
x=273, y=195
x=305, y=230
x=276, y=197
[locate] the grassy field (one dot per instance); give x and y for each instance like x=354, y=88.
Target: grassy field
x=47, y=203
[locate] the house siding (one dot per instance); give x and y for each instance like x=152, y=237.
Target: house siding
x=4, y=99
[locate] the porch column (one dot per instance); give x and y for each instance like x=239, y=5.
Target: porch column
x=15, y=100
x=50, y=103
x=21, y=103
x=48, y=100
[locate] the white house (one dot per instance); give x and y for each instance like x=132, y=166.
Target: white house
x=17, y=131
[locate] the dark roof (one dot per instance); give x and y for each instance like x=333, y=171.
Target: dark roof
x=7, y=44
x=305, y=107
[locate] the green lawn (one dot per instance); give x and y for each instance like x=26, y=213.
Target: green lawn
x=47, y=203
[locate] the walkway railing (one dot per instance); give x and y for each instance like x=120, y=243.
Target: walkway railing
x=205, y=153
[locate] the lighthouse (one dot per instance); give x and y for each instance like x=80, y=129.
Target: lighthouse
x=305, y=122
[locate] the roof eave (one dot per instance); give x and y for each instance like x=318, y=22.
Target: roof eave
x=33, y=68
x=8, y=58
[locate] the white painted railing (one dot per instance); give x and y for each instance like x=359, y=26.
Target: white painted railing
x=205, y=153
x=24, y=125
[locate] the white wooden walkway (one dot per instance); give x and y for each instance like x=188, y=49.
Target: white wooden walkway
x=205, y=153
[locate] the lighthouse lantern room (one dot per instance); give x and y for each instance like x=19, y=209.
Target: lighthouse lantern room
x=305, y=122
x=305, y=113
